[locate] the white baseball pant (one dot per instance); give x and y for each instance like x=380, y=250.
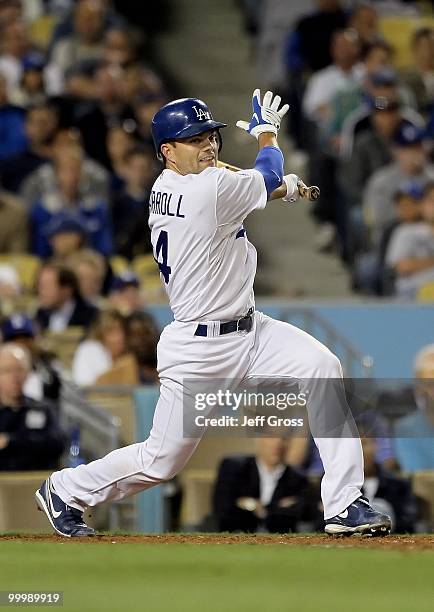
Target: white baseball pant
x=271, y=349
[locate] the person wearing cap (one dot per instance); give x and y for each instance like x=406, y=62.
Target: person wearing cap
x=66, y=234
x=124, y=293
x=370, y=274
x=45, y=377
x=67, y=198
x=411, y=250
x=372, y=148
x=410, y=164
x=381, y=82
x=31, y=89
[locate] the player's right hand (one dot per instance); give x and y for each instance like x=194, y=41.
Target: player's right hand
x=266, y=116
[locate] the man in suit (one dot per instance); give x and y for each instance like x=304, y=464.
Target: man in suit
x=261, y=492
x=60, y=302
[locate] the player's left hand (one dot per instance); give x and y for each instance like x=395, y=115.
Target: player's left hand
x=292, y=192
x=266, y=116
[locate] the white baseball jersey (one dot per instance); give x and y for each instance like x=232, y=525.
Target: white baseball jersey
x=206, y=262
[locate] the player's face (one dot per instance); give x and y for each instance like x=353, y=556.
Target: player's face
x=192, y=155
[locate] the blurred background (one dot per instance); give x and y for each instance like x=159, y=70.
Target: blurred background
x=81, y=303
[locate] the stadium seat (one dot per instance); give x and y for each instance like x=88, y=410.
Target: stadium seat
x=423, y=487
x=397, y=30
x=426, y=293
x=119, y=264
x=26, y=266
x=118, y=401
x=146, y=269
x=197, y=486
x=64, y=344
x=18, y=512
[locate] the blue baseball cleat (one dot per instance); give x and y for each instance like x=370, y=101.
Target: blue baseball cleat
x=66, y=521
x=360, y=518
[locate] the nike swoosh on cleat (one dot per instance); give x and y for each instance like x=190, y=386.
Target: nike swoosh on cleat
x=343, y=514
x=50, y=503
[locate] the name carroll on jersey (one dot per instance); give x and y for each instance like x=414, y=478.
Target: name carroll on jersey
x=162, y=203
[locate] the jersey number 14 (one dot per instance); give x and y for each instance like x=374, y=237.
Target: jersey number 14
x=161, y=248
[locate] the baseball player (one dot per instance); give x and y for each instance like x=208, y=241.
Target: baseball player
x=208, y=266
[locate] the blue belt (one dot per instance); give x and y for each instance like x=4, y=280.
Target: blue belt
x=243, y=324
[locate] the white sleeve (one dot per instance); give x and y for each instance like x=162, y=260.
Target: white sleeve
x=238, y=194
x=316, y=95
x=399, y=246
x=90, y=361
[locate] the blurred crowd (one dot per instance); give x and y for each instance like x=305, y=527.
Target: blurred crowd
x=359, y=78
x=78, y=88
x=77, y=92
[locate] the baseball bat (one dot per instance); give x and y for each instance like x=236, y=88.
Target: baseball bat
x=311, y=193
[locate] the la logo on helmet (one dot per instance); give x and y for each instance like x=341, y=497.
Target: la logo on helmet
x=201, y=114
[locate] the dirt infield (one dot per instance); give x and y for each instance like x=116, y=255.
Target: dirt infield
x=393, y=542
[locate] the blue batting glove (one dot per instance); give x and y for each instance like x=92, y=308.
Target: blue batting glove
x=266, y=116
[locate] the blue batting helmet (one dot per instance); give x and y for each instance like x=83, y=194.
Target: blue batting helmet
x=182, y=119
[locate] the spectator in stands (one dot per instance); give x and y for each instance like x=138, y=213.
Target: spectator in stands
x=410, y=164
x=387, y=491
x=44, y=380
x=364, y=20
x=13, y=140
x=124, y=293
x=372, y=148
x=420, y=76
x=145, y=108
x=142, y=336
x=94, y=181
x=30, y=435
x=275, y=19
x=381, y=84
x=120, y=45
x=65, y=12
x=308, y=46
x=94, y=216
x=60, y=303
x=10, y=285
x=411, y=250
x=91, y=270
x=109, y=110
x=140, y=84
x=66, y=235
x=16, y=51
x=130, y=205
x=40, y=127
x=14, y=230
x=414, y=433
x=344, y=72
x=260, y=491
x=119, y=143
x=104, y=349
x=370, y=274
x=15, y=46
x=85, y=42
x=376, y=72
x=31, y=89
